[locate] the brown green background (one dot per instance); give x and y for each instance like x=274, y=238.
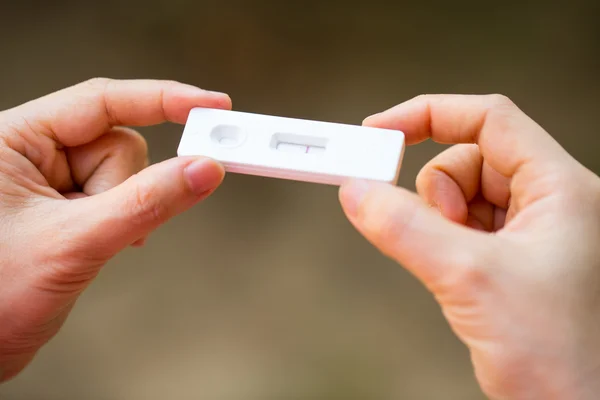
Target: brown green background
x=265, y=291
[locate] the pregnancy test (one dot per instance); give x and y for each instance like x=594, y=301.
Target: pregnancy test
x=294, y=149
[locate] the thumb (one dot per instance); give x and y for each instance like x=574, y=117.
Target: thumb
x=436, y=250
x=110, y=221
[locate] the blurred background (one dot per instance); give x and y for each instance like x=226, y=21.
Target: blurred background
x=265, y=291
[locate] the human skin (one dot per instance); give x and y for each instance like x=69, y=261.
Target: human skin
x=503, y=230
x=75, y=190
x=504, y=233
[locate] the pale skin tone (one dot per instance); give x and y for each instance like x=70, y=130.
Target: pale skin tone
x=503, y=230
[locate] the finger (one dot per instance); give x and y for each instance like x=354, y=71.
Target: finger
x=451, y=180
x=494, y=186
x=436, y=250
x=112, y=220
x=75, y=195
x=108, y=161
x=481, y=214
x=508, y=139
x=81, y=113
x=499, y=219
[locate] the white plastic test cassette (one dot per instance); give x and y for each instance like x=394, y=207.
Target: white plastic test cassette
x=296, y=149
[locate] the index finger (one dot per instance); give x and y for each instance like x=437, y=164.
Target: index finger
x=507, y=138
x=80, y=113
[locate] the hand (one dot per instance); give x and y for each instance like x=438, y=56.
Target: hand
x=69, y=202
x=506, y=236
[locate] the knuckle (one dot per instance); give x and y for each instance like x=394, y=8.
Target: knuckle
x=125, y=141
x=501, y=113
x=434, y=177
x=99, y=88
x=500, y=101
x=472, y=271
x=135, y=141
x=98, y=82
x=389, y=229
x=139, y=142
x=134, y=147
x=422, y=98
x=143, y=207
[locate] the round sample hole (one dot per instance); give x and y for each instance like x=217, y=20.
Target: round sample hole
x=227, y=135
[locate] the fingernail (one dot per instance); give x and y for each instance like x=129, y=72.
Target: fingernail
x=196, y=91
x=367, y=120
x=203, y=175
x=352, y=195
x=214, y=93
x=217, y=93
x=224, y=101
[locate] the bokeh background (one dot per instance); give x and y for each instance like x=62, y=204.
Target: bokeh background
x=265, y=291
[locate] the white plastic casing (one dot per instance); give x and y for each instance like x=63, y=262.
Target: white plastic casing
x=296, y=149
